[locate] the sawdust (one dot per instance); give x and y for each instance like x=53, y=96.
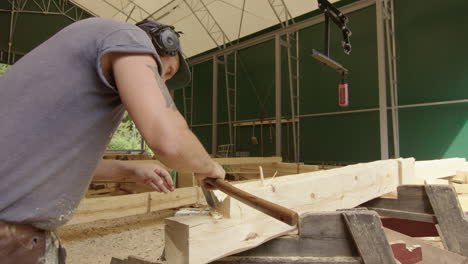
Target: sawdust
x=98, y=242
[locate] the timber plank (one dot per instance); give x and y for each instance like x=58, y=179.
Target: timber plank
x=242, y=227
x=461, y=188
x=435, y=169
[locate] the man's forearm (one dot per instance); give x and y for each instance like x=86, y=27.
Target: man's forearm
x=191, y=157
x=112, y=170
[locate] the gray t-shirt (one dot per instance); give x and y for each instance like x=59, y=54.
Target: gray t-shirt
x=57, y=114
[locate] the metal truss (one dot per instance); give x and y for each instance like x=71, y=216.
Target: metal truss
x=46, y=7
x=208, y=22
x=201, y=12
x=281, y=12
x=132, y=11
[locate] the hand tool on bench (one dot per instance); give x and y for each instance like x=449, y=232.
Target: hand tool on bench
x=279, y=212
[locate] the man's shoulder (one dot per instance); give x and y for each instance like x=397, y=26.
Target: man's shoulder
x=102, y=24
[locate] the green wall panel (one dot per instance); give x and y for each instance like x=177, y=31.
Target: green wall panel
x=434, y=132
x=203, y=92
x=256, y=81
x=179, y=100
x=222, y=98
x=204, y=135
x=346, y=138
x=432, y=66
x=432, y=50
x=223, y=134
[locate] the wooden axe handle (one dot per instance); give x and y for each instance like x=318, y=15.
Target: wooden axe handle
x=274, y=210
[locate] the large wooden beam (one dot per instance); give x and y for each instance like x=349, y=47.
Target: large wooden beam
x=201, y=239
x=435, y=169
x=94, y=209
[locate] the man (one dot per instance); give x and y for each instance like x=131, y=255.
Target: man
x=59, y=106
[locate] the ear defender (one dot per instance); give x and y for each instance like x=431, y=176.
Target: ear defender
x=164, y=37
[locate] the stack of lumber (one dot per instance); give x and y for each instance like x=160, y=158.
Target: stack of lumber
x=196, y=239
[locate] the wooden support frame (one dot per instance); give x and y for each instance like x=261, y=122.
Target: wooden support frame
x=436, y=204
x=332, y=236
x=367, y=232
x=242, y=228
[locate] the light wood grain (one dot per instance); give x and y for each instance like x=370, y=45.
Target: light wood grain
x=201, y=239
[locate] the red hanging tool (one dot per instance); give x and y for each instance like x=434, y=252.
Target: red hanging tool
x=343, y=98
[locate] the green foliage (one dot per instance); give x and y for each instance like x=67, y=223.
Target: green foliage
x=126, y=136
x=3, y=68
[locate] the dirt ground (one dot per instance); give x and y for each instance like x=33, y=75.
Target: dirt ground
x=98, y=242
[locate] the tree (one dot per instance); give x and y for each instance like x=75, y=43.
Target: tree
x=126, y=136
x=3, y=68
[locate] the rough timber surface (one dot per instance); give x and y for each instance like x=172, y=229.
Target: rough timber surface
x=243, y=228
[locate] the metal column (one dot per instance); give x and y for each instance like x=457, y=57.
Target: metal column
x=292, y=48
x=382, y=80
x=293, y=72
x=392, y=72
x=278, y=94
x=214, y=129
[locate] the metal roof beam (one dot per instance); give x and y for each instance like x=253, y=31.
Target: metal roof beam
x=281, y=11
x=208, y=22
x=271, y=35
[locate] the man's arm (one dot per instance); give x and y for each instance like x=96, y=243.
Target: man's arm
x=146, y=98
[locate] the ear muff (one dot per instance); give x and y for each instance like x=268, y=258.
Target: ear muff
x=167, y=40
x=164, y=37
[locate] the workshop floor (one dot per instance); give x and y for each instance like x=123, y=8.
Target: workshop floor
x=98, y=242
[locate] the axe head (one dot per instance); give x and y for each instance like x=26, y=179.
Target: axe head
x=211, y=198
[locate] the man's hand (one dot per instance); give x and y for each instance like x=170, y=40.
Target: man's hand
x=152, y=175
x=216, y=171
